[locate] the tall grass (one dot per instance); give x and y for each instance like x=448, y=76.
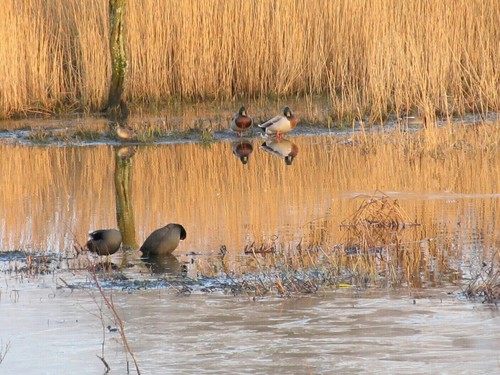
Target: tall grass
x=370, y=57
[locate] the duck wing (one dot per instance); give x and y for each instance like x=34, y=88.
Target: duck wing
x=273, y=121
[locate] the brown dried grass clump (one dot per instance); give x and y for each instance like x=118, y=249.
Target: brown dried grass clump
x=369, y=57
x=375, y=225
x=379, y=247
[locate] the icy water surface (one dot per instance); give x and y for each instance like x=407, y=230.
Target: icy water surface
x=347, y=332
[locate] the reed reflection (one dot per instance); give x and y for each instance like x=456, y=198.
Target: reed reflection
x=282, y=148
x=242, y=149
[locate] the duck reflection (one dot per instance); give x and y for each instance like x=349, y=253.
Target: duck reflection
x=242, y=149
x=126, y=152
x=281, y=148
x=162, y=264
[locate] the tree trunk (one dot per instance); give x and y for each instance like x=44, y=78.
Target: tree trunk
x=118, y=53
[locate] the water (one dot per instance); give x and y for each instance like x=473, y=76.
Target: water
x=348, y=332
x=52, y=196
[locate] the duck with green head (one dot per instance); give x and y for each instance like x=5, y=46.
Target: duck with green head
x=280, y=125
x=241, y=122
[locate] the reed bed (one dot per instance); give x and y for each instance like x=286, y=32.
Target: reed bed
x=370, y=58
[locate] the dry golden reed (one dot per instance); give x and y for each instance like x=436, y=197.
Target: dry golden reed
x=371, y=57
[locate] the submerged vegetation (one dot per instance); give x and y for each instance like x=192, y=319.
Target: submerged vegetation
x=370, y=58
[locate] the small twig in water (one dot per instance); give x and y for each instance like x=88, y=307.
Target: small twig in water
x=108, y=369
x=3, y=351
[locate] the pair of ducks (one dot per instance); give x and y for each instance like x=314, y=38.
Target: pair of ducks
x=278, y=125
x=161, y=242
x=240, y=123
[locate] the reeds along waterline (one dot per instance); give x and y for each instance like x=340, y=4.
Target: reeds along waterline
x=369, y=57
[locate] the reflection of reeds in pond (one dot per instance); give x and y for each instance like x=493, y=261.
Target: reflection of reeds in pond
x=50, y=193
x=369, y=56
x=380, y=247
x=46, y=191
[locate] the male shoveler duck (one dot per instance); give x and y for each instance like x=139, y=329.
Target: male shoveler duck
x=241, y=122
x=280, y=124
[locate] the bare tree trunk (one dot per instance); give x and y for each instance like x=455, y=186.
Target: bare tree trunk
x=118, y=53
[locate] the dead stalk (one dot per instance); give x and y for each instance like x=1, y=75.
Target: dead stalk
x=4, y=349
x=118, y=321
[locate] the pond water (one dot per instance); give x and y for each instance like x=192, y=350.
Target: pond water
x=343, y=332
x=405, y=318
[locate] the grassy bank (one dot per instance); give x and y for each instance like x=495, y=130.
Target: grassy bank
x=368, y=57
